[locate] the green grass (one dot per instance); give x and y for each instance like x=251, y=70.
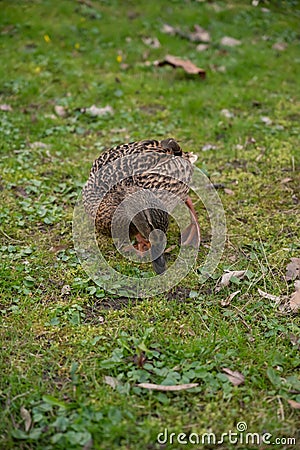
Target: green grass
x=57, y=348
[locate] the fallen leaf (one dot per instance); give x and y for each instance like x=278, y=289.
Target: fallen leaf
x=235, y=377
x=295, y=298
x=207, y=147
x=280, y=46
x=5, y=107
x=168, y=29
x=294, y=404
x=228, y=191
x=58, y=248
x=38, y=144
x=60, y=111
x=273, y=298
x=140, y=359
x=202, y=47
x=124, y=66
x=169, y=249
x=228, y=275
x=151, y=42
x=20, y=191
x=286, y=180
x=50, y=116
x=230, y=42
x=199, y=35
x=185, y=64
x=266, y=120
x=227, y=113
x=162, y=387
x=25, y=414
x=118, y=130
x=295, y=340
x=111, y=381
x=227, y=301
x=65, y=290
x=132, y=15
x=293, y=269
x=216, y=68
x=94, y=111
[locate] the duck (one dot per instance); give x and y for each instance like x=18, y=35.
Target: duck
x=154, y=175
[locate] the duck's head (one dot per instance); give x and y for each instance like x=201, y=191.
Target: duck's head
x=152, y=224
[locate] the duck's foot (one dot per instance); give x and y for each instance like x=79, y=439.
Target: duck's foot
x=191, y=234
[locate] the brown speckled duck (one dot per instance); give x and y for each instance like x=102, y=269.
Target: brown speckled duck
x=161, y=172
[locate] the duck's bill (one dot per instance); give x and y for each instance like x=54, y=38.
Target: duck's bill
x=159, y=264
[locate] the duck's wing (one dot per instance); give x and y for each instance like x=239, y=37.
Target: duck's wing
x=149, y=164
x=166, y=167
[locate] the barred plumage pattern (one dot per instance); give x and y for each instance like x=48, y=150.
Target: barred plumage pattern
x=161, y=166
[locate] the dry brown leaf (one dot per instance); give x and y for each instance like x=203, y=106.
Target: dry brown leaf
x=151, y=42
x=111, y=381
x=185, y=64
x=272, y=297
x=169, y=249
x=227, y=301
x=216, y=68
x=161, y=387
x=226, y=113
x=230, y=42
x=207, y=147
x=168, y=29
x=25, y=414
x=124, y=66
x=286, y=180
x=228, y=191
x=140, y=359
x=266, y=120
x=295, y=340
x=58, y=248
x=50, y=116
x=294, y=404
x=293, y=269
x=38, y=144
x=199, y=35
x=5, y=107
x=60, y=111
x=235, y=377
x=94, y=111
x=65, y=290
x=228, y=275
x=280, y=46
x=202, y=47
x=295, y=298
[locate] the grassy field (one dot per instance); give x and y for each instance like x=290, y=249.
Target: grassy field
x=72, y=353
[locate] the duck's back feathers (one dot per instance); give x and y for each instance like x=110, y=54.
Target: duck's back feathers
x=149, y=164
